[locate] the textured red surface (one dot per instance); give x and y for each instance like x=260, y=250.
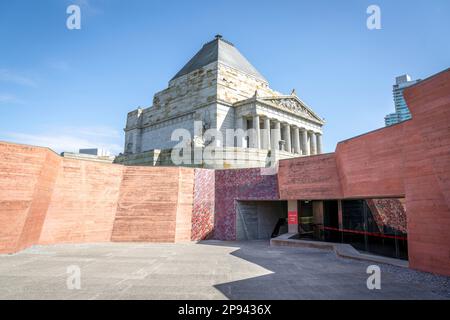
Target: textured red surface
x=155, y=205
x=314, y=177
x=427, y=174
x=239, y=184
x=388, y=212
x=48, y=199
x=27, y=175
x=204, y=199
x=83, y=203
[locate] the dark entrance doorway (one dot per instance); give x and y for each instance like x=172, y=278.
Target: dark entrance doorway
x=257, y=220
x=331, y=221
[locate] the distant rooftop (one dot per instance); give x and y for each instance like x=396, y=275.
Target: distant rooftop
x=223, y=51
x=402, y=79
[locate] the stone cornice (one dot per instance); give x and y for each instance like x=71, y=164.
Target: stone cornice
x=143, y=126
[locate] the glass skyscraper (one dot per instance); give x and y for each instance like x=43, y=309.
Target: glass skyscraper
x=401, y=109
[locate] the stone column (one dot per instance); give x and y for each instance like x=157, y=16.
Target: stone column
x=296, y=141
x=266, y=133
x=241, y=123
x=256, y=143
x=287, y=137
x=276, y=135
x=304, y=140
x=319, y=143
x=313, y=143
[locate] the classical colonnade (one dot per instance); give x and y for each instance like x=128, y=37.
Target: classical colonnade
x=294, y=139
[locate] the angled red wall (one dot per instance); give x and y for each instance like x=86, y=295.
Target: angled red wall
x=155, y=205
x=83, y=203
x=372, y=164
x=27, y=176
x=427, y=174
x=47, y=199
x=410, y=159
x=41, y=201
x=314, y=177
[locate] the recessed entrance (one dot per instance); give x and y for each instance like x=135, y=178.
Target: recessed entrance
x=370, y=225
x=259, y=220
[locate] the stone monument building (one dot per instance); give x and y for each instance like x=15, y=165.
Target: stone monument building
x=220, y=89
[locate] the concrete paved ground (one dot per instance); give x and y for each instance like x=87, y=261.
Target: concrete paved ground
x=210, y=270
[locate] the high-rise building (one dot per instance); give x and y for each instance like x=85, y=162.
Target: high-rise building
x=401, y=109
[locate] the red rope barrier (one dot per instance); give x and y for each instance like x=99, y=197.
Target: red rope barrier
x=374, y=234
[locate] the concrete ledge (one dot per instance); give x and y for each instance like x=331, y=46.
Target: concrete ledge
x=340, y=249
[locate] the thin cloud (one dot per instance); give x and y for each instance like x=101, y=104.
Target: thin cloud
x=59, y=65
x=100, y=131
x=16, y=78
x=71, y=139
x=87, y=7
x=6, y=98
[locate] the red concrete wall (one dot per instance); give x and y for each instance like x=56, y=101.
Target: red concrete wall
x=27, y=175
x=47, y=199
x=410, y=160
x=372, y=164
x=427, y=174
x=41, y=201
x=314, y=177
x=151, y=201
x=369, y=165
x=83, y=204
x=185, y=205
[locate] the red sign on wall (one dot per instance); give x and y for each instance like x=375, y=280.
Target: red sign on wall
x=292, y=217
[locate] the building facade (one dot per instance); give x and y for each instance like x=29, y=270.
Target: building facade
x=219, y=89
x=401, y=108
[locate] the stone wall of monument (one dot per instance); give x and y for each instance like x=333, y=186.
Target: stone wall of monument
x=234, y=86
x=189, y=98
x=159, y=136
x=202, y=95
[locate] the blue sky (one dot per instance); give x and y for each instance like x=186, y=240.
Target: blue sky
x=73, y=88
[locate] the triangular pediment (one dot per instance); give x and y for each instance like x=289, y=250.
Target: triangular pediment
x=292, y=104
